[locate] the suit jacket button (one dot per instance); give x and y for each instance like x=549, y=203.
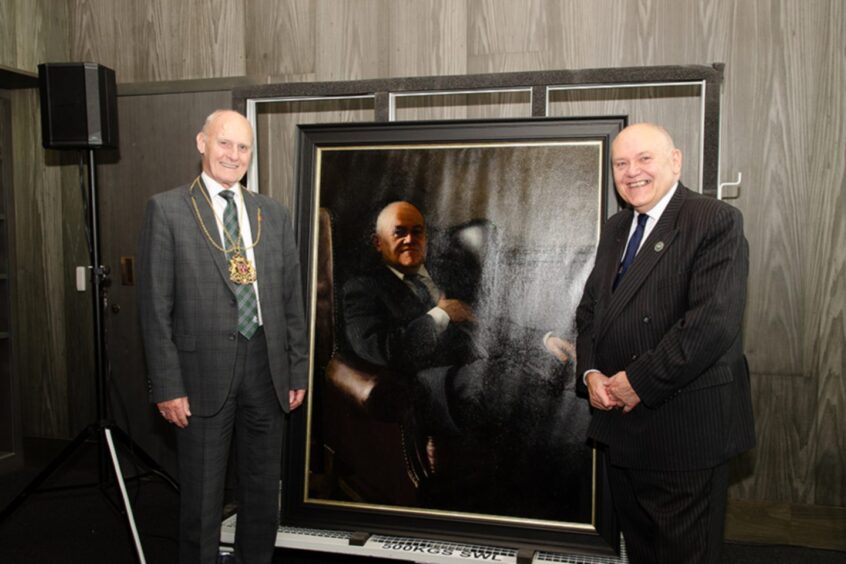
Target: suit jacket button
x=646, y=319
x=232, y=337
x=233, y=303
x=634, y=357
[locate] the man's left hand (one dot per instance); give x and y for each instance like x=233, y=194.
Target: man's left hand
x=295, y=398
x=620, y=388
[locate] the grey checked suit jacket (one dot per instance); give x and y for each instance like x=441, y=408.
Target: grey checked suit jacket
x=674, y=325
x=187, y=303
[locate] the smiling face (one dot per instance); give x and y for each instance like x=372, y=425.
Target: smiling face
x=646, y=164
x=401, y=236
x=226, y=143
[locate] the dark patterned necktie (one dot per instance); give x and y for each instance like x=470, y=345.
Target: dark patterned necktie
x=631, y=249
x=420, y=289
x=244, y=293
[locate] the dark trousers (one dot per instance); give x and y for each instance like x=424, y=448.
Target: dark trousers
x=252, y=414
x=671, y=517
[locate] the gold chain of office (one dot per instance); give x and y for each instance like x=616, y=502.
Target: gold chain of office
x=241, y=270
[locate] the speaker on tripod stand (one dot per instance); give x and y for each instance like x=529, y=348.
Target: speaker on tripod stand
x=79, y=112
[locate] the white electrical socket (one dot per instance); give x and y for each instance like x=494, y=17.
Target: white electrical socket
x=81, y=278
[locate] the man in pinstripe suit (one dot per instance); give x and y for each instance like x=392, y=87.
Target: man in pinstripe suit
x=660, y=351
x=224, y=334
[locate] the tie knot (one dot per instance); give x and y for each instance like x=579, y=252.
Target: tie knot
x=642, y=219
x=227, y=195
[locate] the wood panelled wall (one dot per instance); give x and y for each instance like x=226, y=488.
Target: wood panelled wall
x=783, y=127
x=54, y=322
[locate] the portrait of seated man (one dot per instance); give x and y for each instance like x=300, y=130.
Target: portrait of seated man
x=467, y=371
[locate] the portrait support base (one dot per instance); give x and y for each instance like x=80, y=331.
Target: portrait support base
x=410, y=549
x=103, y=432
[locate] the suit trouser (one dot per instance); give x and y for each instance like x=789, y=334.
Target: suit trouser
x=252, y=413
x=671, y=517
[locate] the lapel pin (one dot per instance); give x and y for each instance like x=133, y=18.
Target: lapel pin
x=659, y=246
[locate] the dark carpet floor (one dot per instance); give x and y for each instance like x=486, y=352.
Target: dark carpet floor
x=82, y=525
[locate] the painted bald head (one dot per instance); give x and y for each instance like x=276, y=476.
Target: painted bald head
x=401, y=236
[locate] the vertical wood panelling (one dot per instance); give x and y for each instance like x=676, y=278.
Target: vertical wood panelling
x=8, y=41
x=488, y=105
x=824, y=307
x=501, y=38
x=41, y=31
x=161, y=39
x=424, y=37
x=189, y=39
x=351, y=39
x=280, y=38
x=40, y=342
x=94, y=34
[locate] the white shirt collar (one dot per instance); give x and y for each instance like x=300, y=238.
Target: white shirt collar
x=657, y=210
x=401, y=275
x=215, y=188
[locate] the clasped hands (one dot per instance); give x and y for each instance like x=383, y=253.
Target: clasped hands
x=607, y=393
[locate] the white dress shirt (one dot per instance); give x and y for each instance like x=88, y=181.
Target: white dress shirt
x=219, y=205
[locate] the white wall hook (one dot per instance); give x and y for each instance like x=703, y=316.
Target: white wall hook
x=736, y=194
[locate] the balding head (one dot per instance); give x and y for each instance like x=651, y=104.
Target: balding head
x=226, y=143
x=646, y=164
x=401, y=236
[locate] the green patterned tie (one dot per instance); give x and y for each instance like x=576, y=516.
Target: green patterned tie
x=246, y=295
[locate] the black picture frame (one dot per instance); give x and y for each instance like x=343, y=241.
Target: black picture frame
x=351, y=171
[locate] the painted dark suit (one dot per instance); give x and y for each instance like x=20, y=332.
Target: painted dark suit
x=387, y=325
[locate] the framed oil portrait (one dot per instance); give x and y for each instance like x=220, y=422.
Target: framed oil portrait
x=486, y=444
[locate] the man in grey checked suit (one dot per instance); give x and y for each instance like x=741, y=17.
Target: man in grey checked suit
x=224, y=334
x=660, y=351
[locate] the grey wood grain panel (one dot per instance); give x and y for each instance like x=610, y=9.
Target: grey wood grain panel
x=825, y=259
x=584, y=34
x=766, y=135
x=488, y=105
x=502, y=26
x=351, y=39
x=41, y=31
x=94, y=34
x=280, y=38
x=40, y=346
x=427, y=37
x=8, y=39
x=169, y=40
x=778, y=469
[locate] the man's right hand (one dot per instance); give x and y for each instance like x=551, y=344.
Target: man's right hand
x=457, y=310
x=600, y=398
x=176, y=411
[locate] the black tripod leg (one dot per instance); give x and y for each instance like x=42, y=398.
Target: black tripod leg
x=148, y=461
x=33, y=486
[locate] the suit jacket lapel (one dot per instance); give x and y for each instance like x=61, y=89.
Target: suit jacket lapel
x=196, y=200
x=651, y=252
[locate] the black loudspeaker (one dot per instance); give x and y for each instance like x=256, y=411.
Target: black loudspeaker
x=78, y=106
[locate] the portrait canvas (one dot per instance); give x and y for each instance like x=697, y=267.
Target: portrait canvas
x=512, y=211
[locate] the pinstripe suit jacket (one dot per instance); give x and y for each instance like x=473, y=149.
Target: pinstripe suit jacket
x=674, y=325
x=187, y=306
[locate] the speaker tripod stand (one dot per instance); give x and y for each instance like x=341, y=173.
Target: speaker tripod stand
x=103, y=432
